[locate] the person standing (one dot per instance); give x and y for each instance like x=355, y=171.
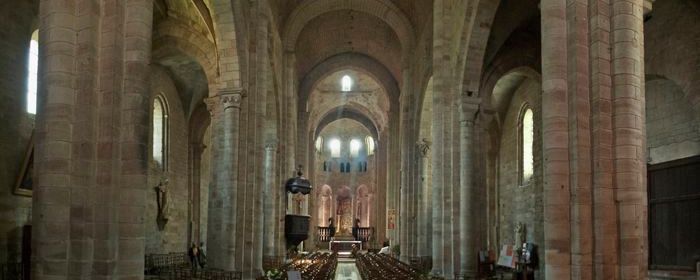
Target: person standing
x=356, y=230
x=201, y=257
x=331, y=228
x=193, y=253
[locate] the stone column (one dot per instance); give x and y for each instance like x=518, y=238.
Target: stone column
x=423, y=204
x=91, y=142
x=268, y=205
x=555, y=141
x=225, y=110
x=628, y=130
x=468, y=223
x=403, y=216
x=605, y=243
x=196, y=150
x=578, y=67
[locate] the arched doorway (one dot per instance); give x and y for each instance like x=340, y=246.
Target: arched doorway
x=325, y=205
x=363, y=206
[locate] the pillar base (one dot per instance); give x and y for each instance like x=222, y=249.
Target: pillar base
x=270, y=262
x=466, y=275
x=425, y=263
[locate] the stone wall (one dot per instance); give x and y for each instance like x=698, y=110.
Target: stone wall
x=19, y=22
x=671, y=59
x=520, y=203
x=173, y=237
x=672, y=129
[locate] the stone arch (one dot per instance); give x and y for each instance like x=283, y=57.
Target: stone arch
x=476, y=42
x=494, y=100
x=360, y=62
x=514, y=91
x=381, y=9
x=227, y=19
x=172, y=34
x=346, y=113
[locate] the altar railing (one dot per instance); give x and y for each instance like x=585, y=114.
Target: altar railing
x=364, y=234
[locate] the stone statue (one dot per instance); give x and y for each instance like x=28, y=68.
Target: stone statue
x=163, y=200
x=519, y=235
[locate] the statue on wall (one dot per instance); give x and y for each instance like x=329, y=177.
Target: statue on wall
x=163, y=200
x=423, y=147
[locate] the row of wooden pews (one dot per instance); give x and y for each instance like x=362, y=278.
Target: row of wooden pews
x=177, y=266
x=199, y=274
x=315, y=266
x=379, y=266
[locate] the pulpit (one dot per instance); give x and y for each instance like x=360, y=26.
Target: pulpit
x=296, y=228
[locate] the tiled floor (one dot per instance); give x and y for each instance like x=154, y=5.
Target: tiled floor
x=347, y=270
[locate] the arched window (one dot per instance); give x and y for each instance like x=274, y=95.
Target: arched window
x=160, y=132
x=370, y=145
x=528, y=135
x=334, y=145
x=32, y=72
x=346, y=83
x=355, y=146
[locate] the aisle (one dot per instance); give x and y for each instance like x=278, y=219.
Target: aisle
x=347, y=270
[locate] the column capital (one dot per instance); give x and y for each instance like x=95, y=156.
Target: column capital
x=225, y=99
x=271, y=145
x=470, y=107
x=423, y=147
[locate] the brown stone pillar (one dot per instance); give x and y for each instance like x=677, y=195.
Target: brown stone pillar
x=578, y=65
x=555, y=141
x=221, y=227
x=90, y=161
x=629, y=135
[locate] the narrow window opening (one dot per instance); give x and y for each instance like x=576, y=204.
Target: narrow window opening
x=355, y=146
x=32, y=72
x=527, y=148
x=346, y=83
x=334, y=145
x=160, y=132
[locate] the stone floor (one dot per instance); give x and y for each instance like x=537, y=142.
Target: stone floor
x=347, y=270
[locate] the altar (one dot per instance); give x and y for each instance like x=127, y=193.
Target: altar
x=343, y=246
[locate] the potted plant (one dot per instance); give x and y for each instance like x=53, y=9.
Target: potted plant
x=274, y=274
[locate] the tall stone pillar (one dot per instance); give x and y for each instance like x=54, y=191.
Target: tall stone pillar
x=555, y=141
x=221, y=227
x=605, y=243
x=423, y=203
x=403, y=215
x=195, y=153
x=628, y=129
x=91, y=139
x=268, y=206
x=468, y=218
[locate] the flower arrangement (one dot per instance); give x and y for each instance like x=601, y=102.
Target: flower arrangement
x=274, y=274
